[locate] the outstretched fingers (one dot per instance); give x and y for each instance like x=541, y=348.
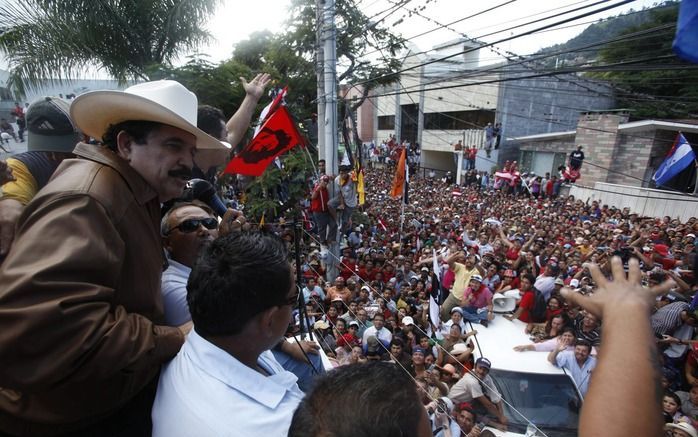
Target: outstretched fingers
x=578, y=299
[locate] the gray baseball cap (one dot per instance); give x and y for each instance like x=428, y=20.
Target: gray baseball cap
x=49, y=127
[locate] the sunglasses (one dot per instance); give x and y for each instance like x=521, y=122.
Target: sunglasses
x=191, y=225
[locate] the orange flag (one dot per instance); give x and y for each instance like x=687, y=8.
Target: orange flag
x=399, y=179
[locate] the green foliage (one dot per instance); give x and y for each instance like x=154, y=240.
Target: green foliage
x=261, y=195
x=669, y=92
x=602, y=30
x=357, y=36
x=53, y=41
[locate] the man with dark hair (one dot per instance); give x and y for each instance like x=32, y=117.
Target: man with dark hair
x=578, y=363
x=477, y=385
x=383, y=401
x=466, y=419
x=241, y=294
x=576, y=158
x=81, y=282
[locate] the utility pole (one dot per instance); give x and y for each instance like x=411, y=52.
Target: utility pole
x=330, y=92
x=327, y=96
x=320, y=75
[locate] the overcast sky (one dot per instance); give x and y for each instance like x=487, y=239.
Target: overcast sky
x=236, y=20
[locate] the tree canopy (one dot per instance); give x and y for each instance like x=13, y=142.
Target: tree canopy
x=668, y=88
x=46, y=40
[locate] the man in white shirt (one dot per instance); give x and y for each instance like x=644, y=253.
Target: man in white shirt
x=478, y=386
x=378, y=330
x=225, y=381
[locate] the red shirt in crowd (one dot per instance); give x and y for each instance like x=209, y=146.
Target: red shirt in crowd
x=528, y=300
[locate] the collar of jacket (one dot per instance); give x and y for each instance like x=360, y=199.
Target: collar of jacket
x=142, y=191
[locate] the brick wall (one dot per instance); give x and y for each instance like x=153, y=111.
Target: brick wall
x=632, y=158
x=598, y=135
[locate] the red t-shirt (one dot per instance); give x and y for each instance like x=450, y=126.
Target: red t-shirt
x=527, y=303
x=512, y=254
x=319, y=203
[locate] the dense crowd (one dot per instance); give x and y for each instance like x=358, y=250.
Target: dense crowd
x=377, y=308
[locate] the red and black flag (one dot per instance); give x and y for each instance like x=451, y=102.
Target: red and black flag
x=277, y=134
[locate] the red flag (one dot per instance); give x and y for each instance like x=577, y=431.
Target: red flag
x=276, y=136
x=399, y=179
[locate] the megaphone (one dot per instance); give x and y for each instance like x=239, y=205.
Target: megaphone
x=504, y=303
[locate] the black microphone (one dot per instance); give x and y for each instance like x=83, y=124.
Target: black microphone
x=202, y=190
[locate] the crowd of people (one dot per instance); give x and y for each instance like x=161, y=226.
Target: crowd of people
x=489, y=241
x=103, y=335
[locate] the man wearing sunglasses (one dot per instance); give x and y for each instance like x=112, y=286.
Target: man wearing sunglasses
x=186, y=229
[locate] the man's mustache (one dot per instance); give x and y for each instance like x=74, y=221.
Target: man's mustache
x=184, y=173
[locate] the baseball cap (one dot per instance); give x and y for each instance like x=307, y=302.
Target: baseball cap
x=354, y=323
x=407, y=320
x=483, y=362
x=574, y=283
x=49, y=126
x=418, y=350
x=425, y=269
x=559, y=281
x=477, y=278
x=457, y=310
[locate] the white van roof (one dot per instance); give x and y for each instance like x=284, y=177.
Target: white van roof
x=497, y=341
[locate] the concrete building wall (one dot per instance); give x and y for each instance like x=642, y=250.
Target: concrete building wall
x=643, y=201
x=544, y=105
x=462, y=97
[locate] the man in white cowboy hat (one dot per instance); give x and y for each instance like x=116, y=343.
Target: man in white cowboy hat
x=82, y=332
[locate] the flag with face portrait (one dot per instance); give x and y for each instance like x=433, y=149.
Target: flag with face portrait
x=276, y=134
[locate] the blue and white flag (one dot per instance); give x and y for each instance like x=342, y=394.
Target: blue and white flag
x=680, y=157
x=686, y=40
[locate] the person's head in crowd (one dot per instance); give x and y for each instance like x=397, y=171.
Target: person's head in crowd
x=407, y=324
x=681, y=429
x=589, y=322
x=424, y=343
x=396, y=348
x=456, y=315
x=332, y=312
x=50, y=128
x=242, y=286
x=158, y=139
x=475, y=282
x=378, y=321
x=351, y=308
x=362, y=316
x=418, y=355
x=554, y=303
x=373, y=391
x=482, y=367
x=339, y=282
x=526, y=282
x=454, y=333
x=671, y=403
x=186, y=228
x=351, y=284
x=466, y=418
x=582, y=349
x=341, y=326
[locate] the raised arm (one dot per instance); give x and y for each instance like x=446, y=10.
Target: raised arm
x=240, y=121
x=616, y=404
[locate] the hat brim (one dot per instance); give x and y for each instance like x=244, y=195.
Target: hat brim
x=95, y=111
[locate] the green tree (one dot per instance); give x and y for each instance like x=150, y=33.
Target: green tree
x=668, y=92
x=53, y=41
x=366, y=49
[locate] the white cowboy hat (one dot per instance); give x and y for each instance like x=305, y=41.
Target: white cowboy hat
x=162, y=101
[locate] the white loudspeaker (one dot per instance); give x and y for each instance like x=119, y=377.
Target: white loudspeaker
x=503, y=304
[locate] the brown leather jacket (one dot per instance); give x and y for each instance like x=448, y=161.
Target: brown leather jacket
x=80, y=304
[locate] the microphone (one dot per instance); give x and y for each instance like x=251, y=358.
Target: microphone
x=201, y=189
